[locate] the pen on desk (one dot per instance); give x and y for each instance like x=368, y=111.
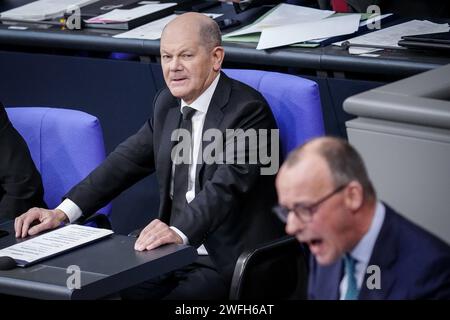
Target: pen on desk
x=61, y=22
x=347, y=44
x=180, y=11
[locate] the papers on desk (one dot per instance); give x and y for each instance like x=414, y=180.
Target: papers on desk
x=281, y=15
x=123, y=15
x=288, y=24
x=153, y=30
x=149, y=31
x=52, y=243
x=390, y=37
x=300, y=32
x=43, y=9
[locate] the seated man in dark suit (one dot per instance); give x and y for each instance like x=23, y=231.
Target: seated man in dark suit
x=222, y=208
x=361, y=248
x=20, y=182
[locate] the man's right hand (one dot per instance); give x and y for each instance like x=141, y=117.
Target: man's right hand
x=37, y=220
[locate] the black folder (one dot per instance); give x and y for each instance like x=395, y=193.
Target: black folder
x=430, y=41
x=104, y=6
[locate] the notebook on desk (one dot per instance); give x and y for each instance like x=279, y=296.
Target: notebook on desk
x=431, y=41
x=124, y=14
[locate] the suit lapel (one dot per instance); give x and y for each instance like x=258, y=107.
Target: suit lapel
x=384, y=255
x=164, y=162
x=326, y=280
x=214, y=117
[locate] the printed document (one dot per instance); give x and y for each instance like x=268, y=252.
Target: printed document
x=53, y=242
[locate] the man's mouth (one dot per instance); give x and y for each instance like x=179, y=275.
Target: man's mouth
x=315, y=245
x=178, y=80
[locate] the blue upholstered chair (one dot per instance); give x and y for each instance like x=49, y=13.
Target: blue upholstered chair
x=66, y=145
x=278, y=270
x=295, y=103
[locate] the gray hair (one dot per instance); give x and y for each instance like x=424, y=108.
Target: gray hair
x=210, y=34
x=343, y=160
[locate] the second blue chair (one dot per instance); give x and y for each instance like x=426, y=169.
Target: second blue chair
x=278, y=270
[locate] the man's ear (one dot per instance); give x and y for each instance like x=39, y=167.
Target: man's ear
x=218, y=54
x=354, y=196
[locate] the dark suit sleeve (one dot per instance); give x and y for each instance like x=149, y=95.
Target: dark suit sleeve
x=20, y=182
x=230, y=183
x=131, y=161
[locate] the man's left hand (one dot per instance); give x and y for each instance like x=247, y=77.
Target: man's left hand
x=155, y=234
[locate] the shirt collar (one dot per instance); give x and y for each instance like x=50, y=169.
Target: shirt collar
x=363, y=250
x=202, y=102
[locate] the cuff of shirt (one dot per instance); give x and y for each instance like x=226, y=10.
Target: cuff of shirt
x=181, y=234
x=72, y=211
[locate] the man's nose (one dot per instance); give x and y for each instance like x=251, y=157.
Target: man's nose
x=175, y=64
x=294, y=225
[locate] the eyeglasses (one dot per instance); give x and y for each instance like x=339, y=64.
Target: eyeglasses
x=302, y=211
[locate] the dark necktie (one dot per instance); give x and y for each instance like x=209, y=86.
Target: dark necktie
x=339, y=5
x=181, y=173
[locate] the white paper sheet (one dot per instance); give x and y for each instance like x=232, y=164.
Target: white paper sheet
x=123, y=15
x=148, y=31
x=153, y=30
x=43, y=9
x=294, y=33
x=284, y=14
x=53, y=242
x=392, y=35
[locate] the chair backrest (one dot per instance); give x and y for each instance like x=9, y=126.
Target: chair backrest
x=66, y=145
x=275, y=270
x=295, y=104
x=294, y=101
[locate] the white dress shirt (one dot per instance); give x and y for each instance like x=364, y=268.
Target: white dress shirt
x=363, y=250
x=201, y=104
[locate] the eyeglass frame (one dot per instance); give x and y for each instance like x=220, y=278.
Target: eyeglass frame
x=282, y=212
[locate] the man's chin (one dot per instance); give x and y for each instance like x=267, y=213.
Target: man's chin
x=325, y=258
x=177, y=92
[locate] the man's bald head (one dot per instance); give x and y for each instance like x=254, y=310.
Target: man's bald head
x=343, y=160
x=206, y=28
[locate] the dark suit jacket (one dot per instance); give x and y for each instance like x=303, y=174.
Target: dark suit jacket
x=414, y=265
x=231, y=210
x=20, y=182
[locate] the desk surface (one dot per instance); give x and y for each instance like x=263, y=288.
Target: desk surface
x=107, y=267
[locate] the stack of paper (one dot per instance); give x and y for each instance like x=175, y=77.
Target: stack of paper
x=44, y=9
x=289, y=24
x=123, y=15
x=390, y=37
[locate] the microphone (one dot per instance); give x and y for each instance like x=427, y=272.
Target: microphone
x=7, y=263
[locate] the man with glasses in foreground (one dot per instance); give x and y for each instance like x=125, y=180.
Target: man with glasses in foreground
x=361, y=248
